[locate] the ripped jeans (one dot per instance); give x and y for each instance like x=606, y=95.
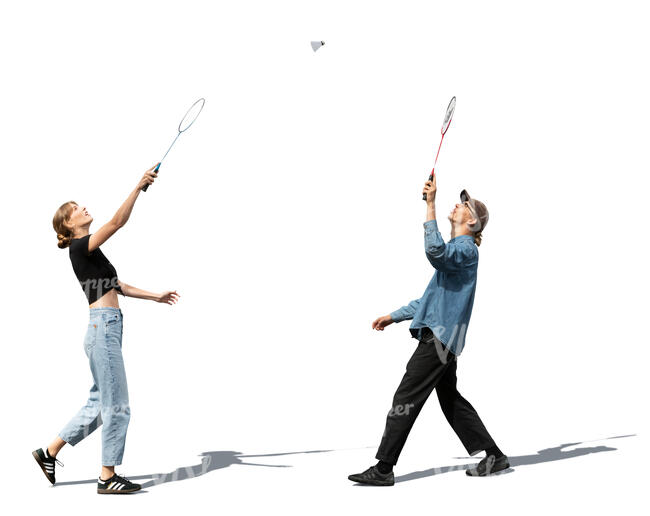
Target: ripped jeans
x=108, y=402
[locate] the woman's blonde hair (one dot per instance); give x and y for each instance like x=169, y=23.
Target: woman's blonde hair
x=477, y=238
x=63, y=232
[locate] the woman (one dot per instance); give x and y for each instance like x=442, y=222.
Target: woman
x=108, y=403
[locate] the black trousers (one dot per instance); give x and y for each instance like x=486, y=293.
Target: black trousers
x=431, y=366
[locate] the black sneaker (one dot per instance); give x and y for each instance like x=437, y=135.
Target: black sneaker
x=46, y=463
x=488, y=466
x=116, y=485
x=373, y=477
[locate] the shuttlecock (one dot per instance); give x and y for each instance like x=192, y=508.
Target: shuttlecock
x=315, y=45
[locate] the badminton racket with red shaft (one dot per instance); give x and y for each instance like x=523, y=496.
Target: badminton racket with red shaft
x=445, y=125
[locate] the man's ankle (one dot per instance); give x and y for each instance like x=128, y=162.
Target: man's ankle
x=384, y=467
x=494, y=450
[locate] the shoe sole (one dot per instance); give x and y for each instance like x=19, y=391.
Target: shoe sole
x=115, y=491
x=40, y=463
x=370, y=482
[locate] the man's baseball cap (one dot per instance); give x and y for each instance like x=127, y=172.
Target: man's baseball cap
x=479, y=209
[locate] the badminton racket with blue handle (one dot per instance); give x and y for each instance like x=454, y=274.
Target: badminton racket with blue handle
x=187, y=121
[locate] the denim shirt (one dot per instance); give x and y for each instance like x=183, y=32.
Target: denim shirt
x=446, y=305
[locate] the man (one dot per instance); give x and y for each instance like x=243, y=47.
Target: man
x=440, y=319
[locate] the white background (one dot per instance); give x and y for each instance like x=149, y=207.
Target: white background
x=289, y=217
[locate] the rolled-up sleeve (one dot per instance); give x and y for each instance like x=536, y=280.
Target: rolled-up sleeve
x=450, y=257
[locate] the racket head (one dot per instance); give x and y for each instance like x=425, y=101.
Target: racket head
x=448, y=115
x=191, y=115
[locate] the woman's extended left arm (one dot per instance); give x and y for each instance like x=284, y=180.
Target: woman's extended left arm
x=170, y=296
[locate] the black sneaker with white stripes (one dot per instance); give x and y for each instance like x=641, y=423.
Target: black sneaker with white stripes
x=46, y=463
x=116, y=485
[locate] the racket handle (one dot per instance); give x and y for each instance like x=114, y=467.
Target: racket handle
x=424, y=196
x=144, y=188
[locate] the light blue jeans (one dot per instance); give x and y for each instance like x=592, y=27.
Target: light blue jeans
x=108, y=402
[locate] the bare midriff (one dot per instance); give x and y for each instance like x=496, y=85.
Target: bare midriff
x=108, y=299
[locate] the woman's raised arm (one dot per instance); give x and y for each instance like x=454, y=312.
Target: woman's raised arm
x=122, y=214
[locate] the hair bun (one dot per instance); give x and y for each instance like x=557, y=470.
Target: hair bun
x=64, y=241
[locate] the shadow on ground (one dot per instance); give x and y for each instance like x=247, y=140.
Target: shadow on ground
x=210, y=461
x=545, y=455
x=213, y=460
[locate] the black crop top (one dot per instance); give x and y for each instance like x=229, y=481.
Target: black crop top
x=93, y=270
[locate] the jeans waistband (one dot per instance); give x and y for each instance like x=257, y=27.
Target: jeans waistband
x=105, y=309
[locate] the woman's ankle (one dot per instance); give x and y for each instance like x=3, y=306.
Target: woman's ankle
x=106, y=473
x=56, y=445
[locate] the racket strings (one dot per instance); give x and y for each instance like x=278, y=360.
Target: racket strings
x=191, y=115
x=450, y=113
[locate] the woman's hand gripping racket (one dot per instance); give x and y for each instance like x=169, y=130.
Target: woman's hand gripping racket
x=187, y=121
x=445, y=126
